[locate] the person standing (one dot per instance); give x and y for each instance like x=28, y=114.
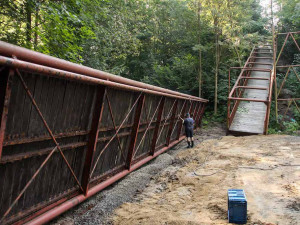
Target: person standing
x=188, y=123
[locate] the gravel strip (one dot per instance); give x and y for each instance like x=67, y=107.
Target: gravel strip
x=97, y=209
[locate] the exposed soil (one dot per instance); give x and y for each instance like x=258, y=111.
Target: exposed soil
x=193, y=190
x=98, y=209
x=189, y=186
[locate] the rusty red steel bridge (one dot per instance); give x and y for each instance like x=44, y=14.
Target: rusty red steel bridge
x=68, y=131
x=250, y=98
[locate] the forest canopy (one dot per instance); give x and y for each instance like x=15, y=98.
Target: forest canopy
x=183, y=45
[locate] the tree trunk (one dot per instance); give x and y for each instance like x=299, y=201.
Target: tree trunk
x=28, y=8
x=200, y=54
x=216, y=74
x=36, y=24
x=238, y=55
x=233, y=34
x=274, y=63
x=217, y=63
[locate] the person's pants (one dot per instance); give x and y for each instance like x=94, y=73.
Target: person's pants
x=189, y=133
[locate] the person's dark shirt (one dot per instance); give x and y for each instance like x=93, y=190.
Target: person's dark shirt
x=189, y=123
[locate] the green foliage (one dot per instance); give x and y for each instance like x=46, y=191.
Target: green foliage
x=286, y=127
x=154, y=41
x=288, y=21
x=286, y=124
x=178, y=74
x=289, y=15
x=65, y=32
x=210, y=117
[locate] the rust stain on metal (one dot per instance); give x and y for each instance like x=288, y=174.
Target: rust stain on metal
x=68, y=131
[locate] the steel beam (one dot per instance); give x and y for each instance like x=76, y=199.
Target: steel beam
x=134, y=131
x=29, y=94
x=115, y=127
x=165, y=120
x=48, y=71
x=255, y=78
x=255, y=57
x=248, y=99
x=78, y=138
x=198, y=114
x=58, y=210
x=263, y=52
x=157, y=125
x=27, y=184
x=191, y=107
x=195, y=110
x=180, y=122
x=295, y=42
x=42, y=59
x=259, y=63
x=252, y=87
x=201, y=114
x=5, y=92
x=19, y=141
x=41, y=152
x=113, y=137
x=288, y=99
x=93, y=136
x=171, y=123
x=147, y=128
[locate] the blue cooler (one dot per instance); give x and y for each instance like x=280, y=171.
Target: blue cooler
x=237, y=206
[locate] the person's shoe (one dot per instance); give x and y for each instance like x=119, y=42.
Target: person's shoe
x=192, y=144
x=189, y=145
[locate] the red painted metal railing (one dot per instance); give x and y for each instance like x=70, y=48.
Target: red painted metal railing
x=68, y=131
x=235, y=95
x=290, y=68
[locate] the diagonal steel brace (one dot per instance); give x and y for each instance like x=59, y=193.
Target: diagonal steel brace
x=165, y=120
x=47, y=126
x=149, y=124
x=113, y=137
x=115, y=127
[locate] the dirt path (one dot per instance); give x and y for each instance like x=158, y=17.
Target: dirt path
x=98, y=209
x=193, y=189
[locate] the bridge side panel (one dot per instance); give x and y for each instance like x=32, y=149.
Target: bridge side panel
x=68, y=107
